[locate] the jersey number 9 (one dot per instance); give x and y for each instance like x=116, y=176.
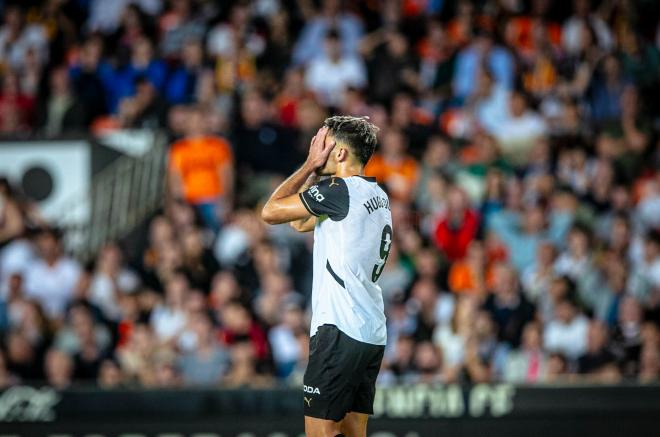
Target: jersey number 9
x=385, y=246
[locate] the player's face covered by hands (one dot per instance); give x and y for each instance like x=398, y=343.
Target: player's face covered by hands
x=330, y=166
x=320, y=150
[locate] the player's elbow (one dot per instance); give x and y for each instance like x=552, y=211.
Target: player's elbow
x=298, y=226
x=269, y=215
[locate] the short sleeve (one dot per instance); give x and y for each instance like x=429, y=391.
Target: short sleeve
x=329, y=197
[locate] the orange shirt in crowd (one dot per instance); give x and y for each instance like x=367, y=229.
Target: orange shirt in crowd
x=199, y=161
x=520, y=34
x=463, y=278
x=400, y=177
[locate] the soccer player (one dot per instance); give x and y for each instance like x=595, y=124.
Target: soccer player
x=352, y=224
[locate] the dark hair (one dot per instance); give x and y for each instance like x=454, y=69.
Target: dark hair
x=356, y=132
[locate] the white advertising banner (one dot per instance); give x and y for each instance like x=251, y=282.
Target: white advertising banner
x=56, y=174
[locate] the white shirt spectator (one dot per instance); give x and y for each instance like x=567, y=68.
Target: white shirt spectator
x=68, y=341
x=567, y=265
x=52, y=286
x=529, y=125
x=517, y=135
x=102, y=291
x=494, y=110
x=451, y=343
x=645, y=278
x=231, y=243
x=104, y=15
x=444, y=308
x=33, y=37
x=573, y=31
x=222, y=41
x=286, y=348
x=311, y=38
x=569, y=338
x=167, y=322
x=648, y=211
x=330, y=79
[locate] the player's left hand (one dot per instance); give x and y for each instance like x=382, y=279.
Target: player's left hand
x=319, y=150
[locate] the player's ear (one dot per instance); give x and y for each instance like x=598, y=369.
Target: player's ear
x=342, y=154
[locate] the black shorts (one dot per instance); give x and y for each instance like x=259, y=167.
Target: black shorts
x=341, y=375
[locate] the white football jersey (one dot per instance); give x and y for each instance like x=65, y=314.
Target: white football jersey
x=352, y=241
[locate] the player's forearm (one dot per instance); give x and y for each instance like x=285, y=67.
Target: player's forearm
x=273, y=211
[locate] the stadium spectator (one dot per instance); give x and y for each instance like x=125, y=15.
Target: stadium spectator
x=110, y=280
x=518, y=144
x=22, y=359
x=452, y=337
x=470, y=274
x=330, y=76
x=523, y=234
x=517, y=134
x=201, y=170
x=17, y=38
x=427, y=364
x=169, y=317
x=389, y=64
x=180, y=25
x=481, y=51
x=582, y=21
x=433, y=308
x=627, y=335
x=238, y=326
x=393, y=167
x=598, y=353
x=110, y=375
x=529, y=363
x=320, y=24
x=199, y=263
x=61, y=111
x=85, y=340
x=457, y=227
x=182, y=80
x=261, y=145
x=206, y=362
x=59, y=369
x=283, y=339
x=16, y=108
x=507, y=306
x=536, y=279
x=567, y=331
x=90, y=76
x=52, y=277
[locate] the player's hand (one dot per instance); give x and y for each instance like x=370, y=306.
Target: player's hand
x=319, y=150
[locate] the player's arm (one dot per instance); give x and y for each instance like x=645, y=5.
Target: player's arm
x=285, y=205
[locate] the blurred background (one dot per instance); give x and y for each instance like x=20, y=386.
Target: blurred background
x=519, y=146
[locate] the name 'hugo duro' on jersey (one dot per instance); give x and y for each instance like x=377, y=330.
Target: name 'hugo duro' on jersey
x=352, y=240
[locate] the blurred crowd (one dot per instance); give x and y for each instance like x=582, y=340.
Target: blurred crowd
x=519, y=146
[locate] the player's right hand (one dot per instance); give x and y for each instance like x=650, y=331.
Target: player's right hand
x=319, y=149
